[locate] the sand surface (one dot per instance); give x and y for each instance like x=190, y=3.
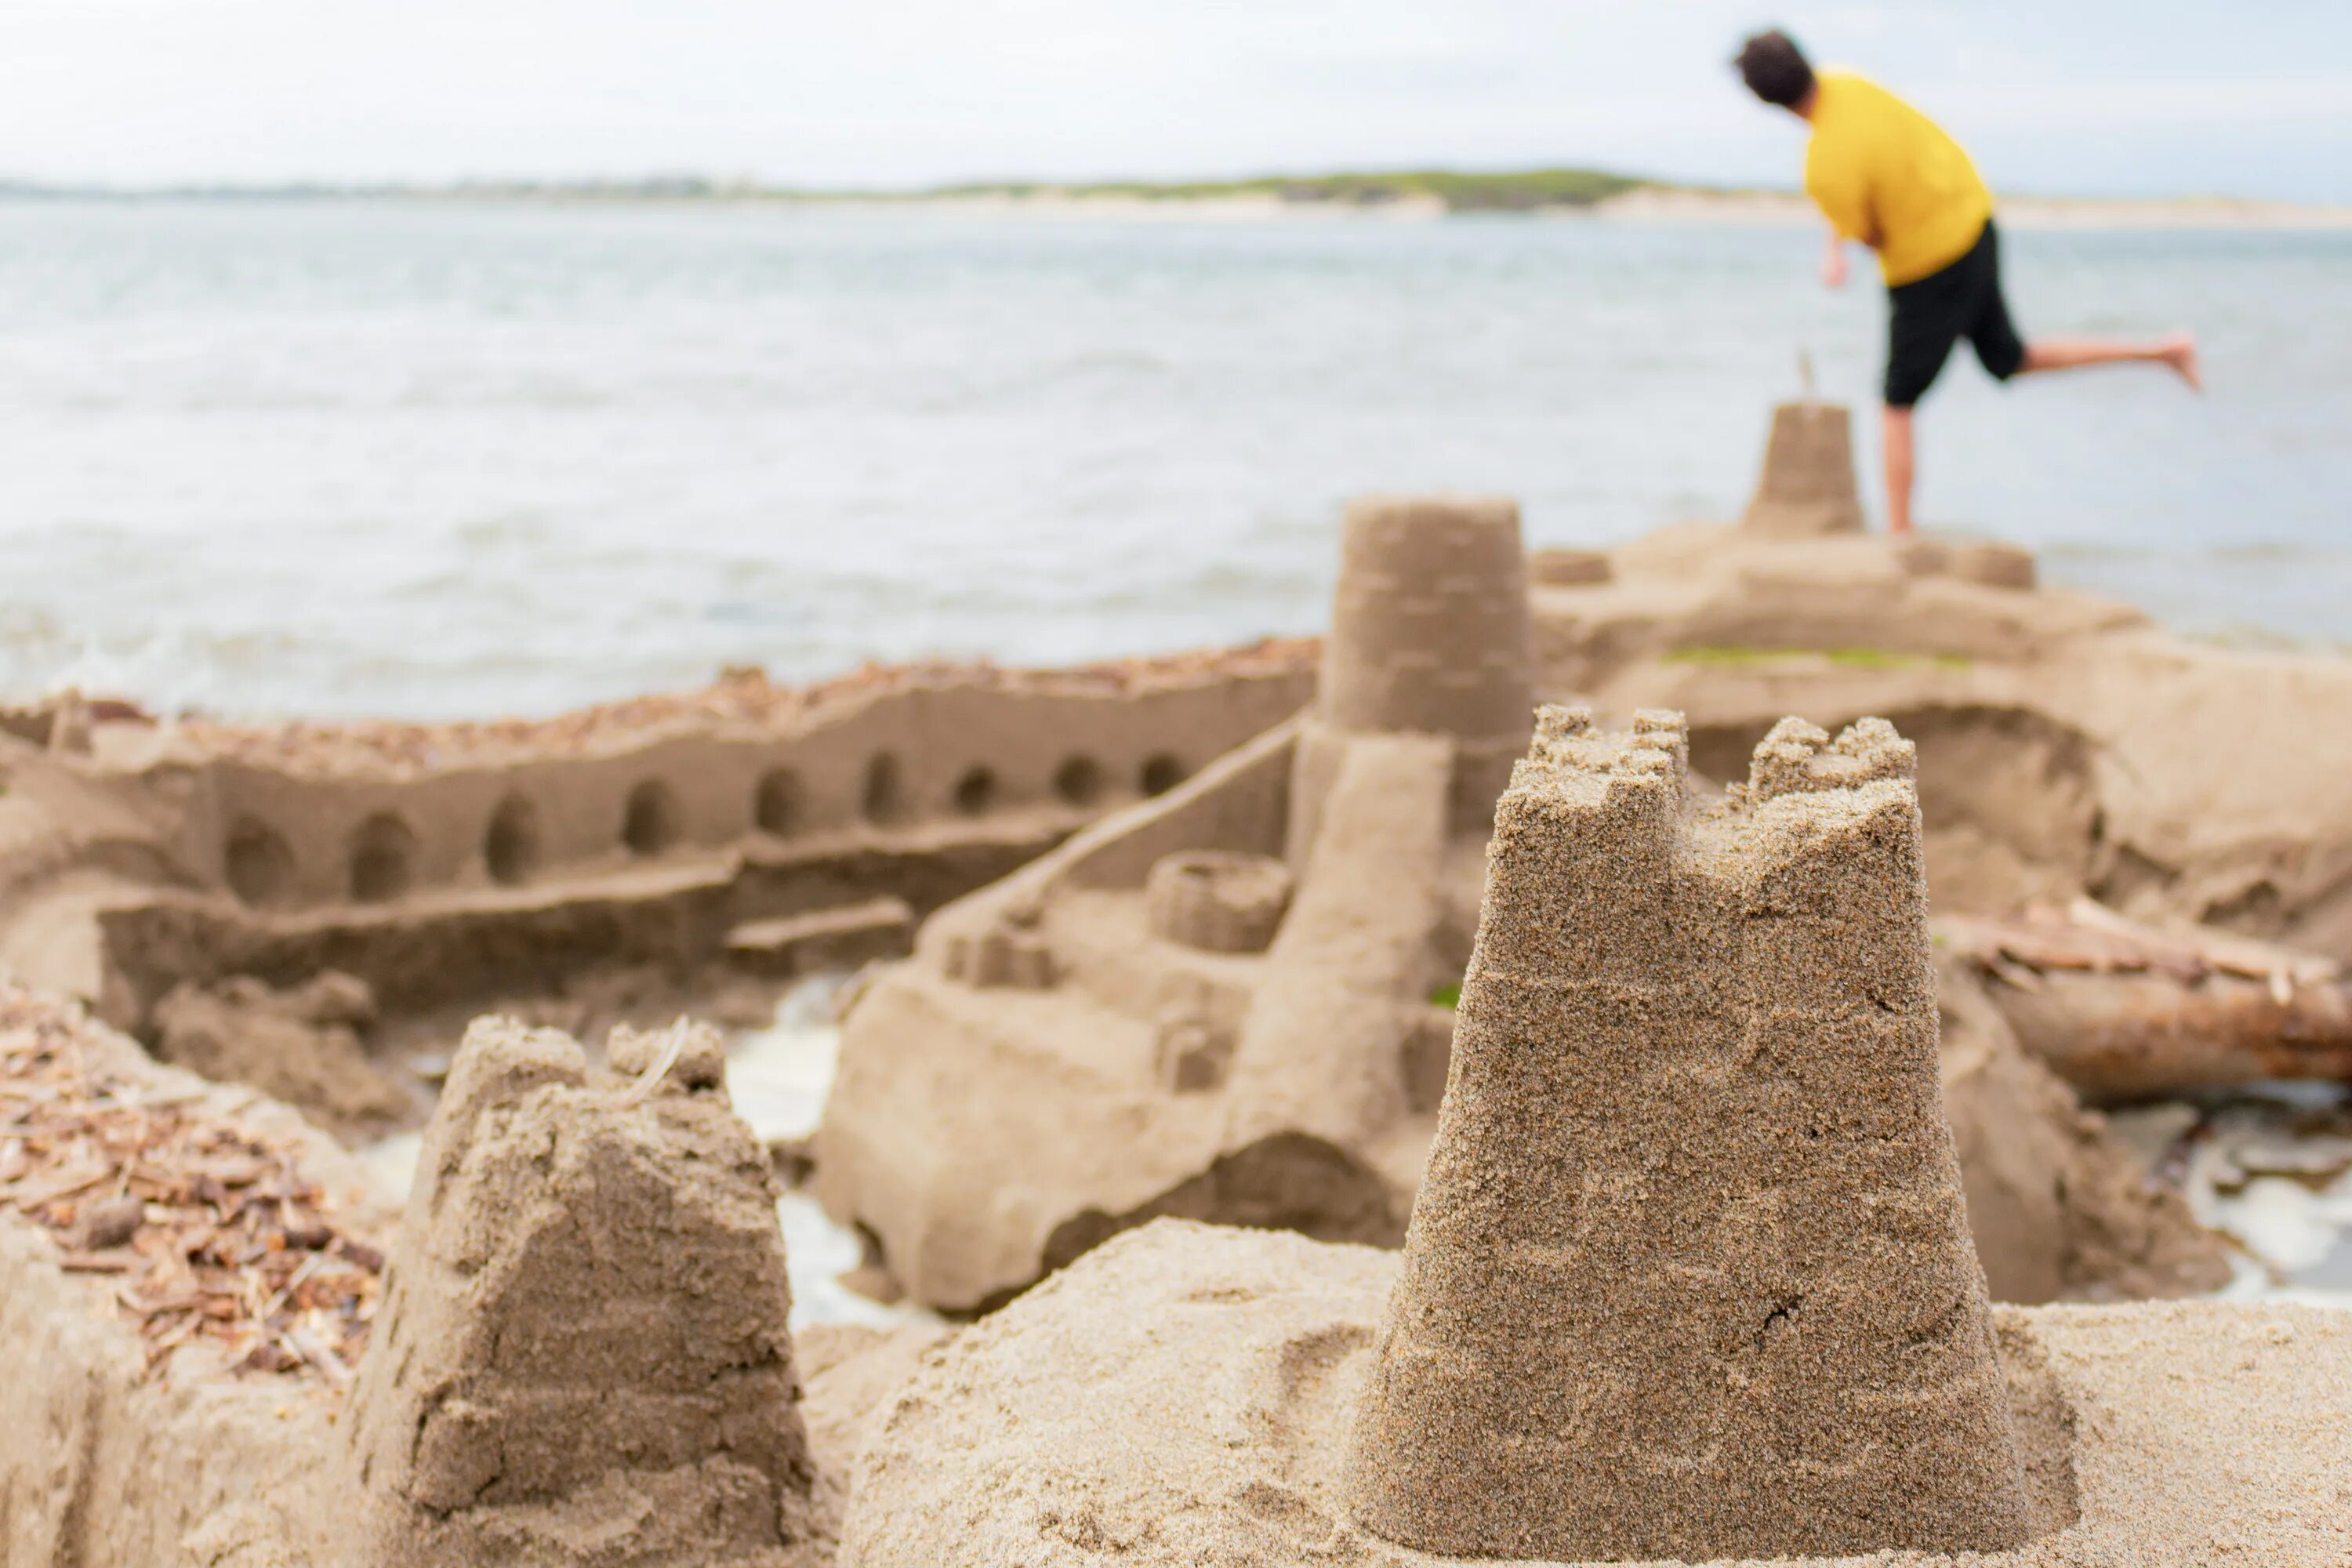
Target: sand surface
x=1185, y=1395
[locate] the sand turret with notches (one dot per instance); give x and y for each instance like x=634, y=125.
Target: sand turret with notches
x=1690, y=1274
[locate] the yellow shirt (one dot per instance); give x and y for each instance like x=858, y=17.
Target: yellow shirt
x=1887, y=175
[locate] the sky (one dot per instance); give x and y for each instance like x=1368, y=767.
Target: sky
x=2060, y=97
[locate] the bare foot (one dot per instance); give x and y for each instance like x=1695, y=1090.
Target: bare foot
x=2181, y=354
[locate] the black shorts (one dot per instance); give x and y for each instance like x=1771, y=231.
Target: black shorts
x=1927, y=315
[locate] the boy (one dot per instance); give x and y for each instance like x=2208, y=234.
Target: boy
x=1886, y=174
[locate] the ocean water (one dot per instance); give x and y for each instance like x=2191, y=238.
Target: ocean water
x=438, y=460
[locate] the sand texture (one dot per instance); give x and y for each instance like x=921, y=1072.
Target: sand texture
x=1689, y=1278
x=700, y=850
x=1104, y=1037
x=1185, y=1395
x=300, y=1045
x=128, y=1411
x=1806, y=489
x=585, y=1360
x=2065, y=743
x=1690, y=1273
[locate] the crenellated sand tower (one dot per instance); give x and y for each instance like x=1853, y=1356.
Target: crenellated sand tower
x=1807, y=488
x=583, y=1356
x=1690, y=1275
x=1430, y=634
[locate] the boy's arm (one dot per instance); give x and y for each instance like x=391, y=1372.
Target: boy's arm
x=1845, y=202
x=1834, y=260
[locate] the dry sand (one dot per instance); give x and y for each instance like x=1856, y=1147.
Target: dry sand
x=740, y=696
x=1184, y=1396
x=585, y=1338
x=300, y=1045
x=2060, y=1208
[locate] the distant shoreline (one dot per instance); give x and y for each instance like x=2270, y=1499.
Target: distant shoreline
x=1408, y=196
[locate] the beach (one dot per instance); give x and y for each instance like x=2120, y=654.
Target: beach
x=1038, y=880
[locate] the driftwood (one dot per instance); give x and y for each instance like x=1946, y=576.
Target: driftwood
x=2123, y=1011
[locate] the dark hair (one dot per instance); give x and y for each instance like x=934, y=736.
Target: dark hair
x=1775, y=69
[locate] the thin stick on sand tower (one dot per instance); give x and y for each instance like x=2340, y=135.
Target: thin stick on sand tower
x=1807, y=487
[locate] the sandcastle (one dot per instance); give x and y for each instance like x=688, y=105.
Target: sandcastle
x=1690, y=1277
x=701, y=850
x=1216, y=1004
x=1228, y=1003
x=1226, y=994
x=578, y=1353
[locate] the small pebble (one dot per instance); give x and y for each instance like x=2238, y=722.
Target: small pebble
x=112, y=1222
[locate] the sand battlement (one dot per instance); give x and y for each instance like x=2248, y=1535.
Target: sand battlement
x=1570, y=758
x=1690, y=1274
x=1799, y=758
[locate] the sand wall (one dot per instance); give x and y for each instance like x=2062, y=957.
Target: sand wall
x=101, y=1463
x=279, y=838
x=468, y=866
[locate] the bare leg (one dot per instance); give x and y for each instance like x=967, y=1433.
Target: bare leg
x=1895, y=441
x=2178, y=353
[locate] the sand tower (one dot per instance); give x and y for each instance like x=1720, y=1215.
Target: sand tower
x=582, y=1355
x=1430, y=634
x=1690, y=1275
x=1807, y=488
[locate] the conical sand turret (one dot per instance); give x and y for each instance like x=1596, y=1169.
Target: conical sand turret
x=1807, y=487
x=1690, y=1274
x=584, y=1357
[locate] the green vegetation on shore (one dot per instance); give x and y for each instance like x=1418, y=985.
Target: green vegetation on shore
x=1523, y=191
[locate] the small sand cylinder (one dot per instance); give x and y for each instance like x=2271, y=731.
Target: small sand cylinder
x=1431, y=634
x=1429, y=626
x=1217, y=901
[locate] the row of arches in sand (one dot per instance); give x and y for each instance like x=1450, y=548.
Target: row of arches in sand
x=259, y=864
